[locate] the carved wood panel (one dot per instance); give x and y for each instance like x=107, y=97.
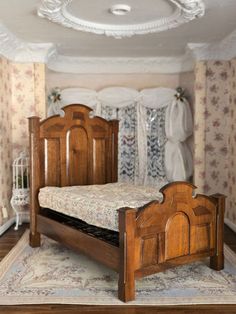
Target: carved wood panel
x=149, y=252
x=77, y=157
x=51, y=163
x=77, y=149
x=178, y=227
x=201, y=239
x=99, y=160
x=177, y=236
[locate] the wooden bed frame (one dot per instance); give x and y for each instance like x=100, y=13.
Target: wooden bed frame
x=79, y=150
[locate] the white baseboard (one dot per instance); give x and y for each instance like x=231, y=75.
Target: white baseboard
x=7, y=225
x=230, y=224
x=11, y=221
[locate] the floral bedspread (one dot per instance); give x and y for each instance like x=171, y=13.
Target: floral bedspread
x=97, y=204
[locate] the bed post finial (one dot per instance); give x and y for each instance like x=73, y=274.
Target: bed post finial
x=34, y=179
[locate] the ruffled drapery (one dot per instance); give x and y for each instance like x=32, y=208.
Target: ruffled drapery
x=154, y=126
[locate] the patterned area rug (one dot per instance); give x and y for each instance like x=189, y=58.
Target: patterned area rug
x=54, y=274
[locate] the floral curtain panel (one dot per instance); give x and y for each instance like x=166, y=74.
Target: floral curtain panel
x=153, y=127
x=156, y=140
x=128, y=152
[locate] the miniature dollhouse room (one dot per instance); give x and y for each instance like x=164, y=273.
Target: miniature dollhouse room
x=117, y=156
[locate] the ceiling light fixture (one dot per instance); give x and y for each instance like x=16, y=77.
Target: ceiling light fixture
x=120, y=9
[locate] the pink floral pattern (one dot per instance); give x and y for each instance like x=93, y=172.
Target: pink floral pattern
x=215, y=134
x=28, y=92
x=5, y=135
x=22, y=94
x=231, y=211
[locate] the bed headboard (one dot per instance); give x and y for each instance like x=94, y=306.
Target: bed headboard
x=72, y=150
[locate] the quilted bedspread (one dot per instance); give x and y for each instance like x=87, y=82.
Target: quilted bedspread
x=97, y=204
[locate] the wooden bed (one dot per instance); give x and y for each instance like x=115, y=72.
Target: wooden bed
x=79, y=150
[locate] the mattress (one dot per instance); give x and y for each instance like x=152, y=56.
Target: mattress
x=97, y=204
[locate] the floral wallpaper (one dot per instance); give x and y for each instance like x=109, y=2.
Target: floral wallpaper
x=22, y=94
x=231, y=211
x=28, y=99
x=5, y=136
x=215, y=135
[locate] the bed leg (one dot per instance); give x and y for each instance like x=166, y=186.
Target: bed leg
x=35, y=239
x=35, y=236
x=126, y=290
x=126, y=284
x=217, y=261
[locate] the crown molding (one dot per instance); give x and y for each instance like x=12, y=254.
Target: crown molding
x=223, y=50
x=185, y=11
x=18, y=50
x=130, y=65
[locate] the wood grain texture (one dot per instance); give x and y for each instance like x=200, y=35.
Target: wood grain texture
x=77, y=154
x=77, y=149
x=69, y=309
x=127, y=226
x=74, y=149
x=185, y=228
x=177, y=241
x=217, y=261
x=62, y=153
x=36, y=173
x=97, y=249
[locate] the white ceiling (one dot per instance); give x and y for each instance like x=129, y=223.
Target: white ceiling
x=20, y=17
x=141, y=11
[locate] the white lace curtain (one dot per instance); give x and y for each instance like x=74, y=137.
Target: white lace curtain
x=153, y=129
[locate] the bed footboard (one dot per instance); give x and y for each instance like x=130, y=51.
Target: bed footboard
x=179, y=230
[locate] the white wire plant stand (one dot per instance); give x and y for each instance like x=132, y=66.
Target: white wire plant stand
x=20, y=190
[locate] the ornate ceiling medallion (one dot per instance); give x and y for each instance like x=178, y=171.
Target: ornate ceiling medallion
x=184, y=11
x=120, y=9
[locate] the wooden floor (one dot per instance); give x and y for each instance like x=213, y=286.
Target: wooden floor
x=10, y=238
